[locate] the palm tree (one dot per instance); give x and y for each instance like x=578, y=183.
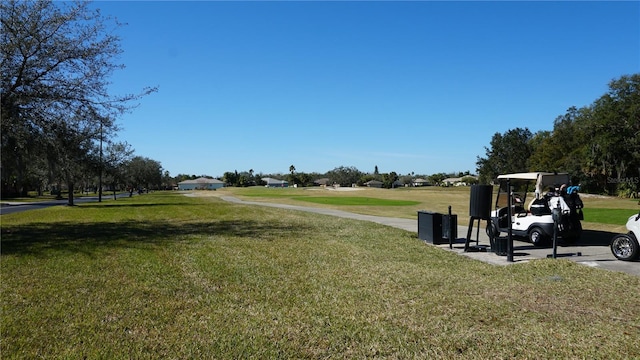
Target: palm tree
x=292, y=177
x=251, y=179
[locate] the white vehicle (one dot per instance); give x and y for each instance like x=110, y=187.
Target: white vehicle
x=532, y=219
x=625, y=246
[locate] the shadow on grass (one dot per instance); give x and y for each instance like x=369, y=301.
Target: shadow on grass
x=40, y=238
x=129, y=205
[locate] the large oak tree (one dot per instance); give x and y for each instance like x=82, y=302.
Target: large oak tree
x=57, y=58
x=508, y=153
x=598, y=145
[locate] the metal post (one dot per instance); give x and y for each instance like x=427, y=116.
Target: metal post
x=556, y=219
x=509, y=213
x=555, y=238
x=469, y=230
x=478, y=233
x=450, y=230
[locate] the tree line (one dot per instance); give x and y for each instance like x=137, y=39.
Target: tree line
x=339, y=176
x=58, y=117
x=598, y=144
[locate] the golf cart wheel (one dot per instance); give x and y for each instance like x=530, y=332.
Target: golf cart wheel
x=537, y=236
x=625, y=247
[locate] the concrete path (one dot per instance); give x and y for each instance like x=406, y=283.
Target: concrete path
x=405, y=224
x=593, y=251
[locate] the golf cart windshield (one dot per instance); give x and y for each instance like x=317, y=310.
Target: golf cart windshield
x=521, y=183
x=519, y=187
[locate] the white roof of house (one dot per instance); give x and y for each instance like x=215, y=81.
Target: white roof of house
x=201, y=180
x=270, y=181
x=458, y=179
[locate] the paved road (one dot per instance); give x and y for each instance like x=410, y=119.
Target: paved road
x=593, y=248
x=13, y=207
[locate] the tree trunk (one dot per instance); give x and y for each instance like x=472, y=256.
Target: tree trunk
x=20, y=188
x=70, y=184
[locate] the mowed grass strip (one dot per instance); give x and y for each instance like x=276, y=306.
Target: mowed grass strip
x=432, y=198
x=356, y=201
x=608, y=216
x=167, y=276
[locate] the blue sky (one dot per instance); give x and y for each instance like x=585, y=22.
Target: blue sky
x=414, y=86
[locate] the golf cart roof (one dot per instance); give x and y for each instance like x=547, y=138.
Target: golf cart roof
x=542, y=179
x=526, y=176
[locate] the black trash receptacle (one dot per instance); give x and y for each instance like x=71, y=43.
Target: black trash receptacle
x=430, y=227
x=499, y=245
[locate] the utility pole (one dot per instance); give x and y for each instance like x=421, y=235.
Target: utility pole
x=101, y=166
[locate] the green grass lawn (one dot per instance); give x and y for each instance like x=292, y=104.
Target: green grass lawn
x=609, y=216
x=167, y=276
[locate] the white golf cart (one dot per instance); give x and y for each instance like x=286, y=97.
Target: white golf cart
x=625, y=246
x=532, y=219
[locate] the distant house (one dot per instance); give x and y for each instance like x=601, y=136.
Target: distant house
x=457, y=181
x=270, y=182
x=200, y=184
x=374, y=183
x=322, y=182
x=451, y=181
x=420, y=182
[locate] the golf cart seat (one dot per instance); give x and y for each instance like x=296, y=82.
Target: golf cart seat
x=539, y=207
